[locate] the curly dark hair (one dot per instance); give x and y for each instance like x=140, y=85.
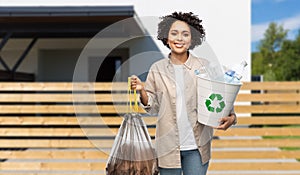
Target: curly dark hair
x=197, y=30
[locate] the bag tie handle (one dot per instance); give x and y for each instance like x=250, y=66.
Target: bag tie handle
x=135, y=107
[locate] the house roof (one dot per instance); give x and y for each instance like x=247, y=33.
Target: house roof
x=63, y=21
x=49, y=11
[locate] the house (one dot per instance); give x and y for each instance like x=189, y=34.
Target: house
x=73, y=43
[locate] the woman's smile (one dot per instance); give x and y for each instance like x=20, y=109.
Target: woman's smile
x=179, y=45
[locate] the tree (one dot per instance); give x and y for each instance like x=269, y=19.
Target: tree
x=272, y=42
x=257, y=63
x=278, y=58
x=289, y=61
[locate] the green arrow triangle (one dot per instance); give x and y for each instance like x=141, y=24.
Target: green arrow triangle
x=212, y=96
x=219, y=96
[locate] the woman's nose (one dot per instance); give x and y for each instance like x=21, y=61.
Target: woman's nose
x=179, y=37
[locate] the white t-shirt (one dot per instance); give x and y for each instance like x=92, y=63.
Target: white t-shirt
x=186, y=134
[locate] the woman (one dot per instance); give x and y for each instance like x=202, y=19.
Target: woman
x=183, y=144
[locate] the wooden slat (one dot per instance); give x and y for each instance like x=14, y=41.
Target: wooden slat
x=53, y=143
x=268, y=109
x=279, y=85
x=271, y=120
x=53, y=154
x=254, y=143
x=55, y=173
x=62, y=86
x=236, y=166
x=256, y=154
x=103, y=173
x=111, y=132
x=64, y=109
x=63, y=132
x=259, y=132
x=100, y=166
x=53, y=166
x=213, y=172
x=249, y=173
x=290, y=97
x=79, y=154
x=123, y=109
x=48, y=120
x=75, y=143
x=39, y=120
x=69, y=98
x=65, y=86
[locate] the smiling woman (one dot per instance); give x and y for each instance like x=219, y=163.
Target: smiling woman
x=183, y=145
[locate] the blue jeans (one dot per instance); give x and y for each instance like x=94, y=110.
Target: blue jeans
x=191, y=164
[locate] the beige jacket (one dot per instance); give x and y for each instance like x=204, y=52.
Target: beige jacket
x=161, y=89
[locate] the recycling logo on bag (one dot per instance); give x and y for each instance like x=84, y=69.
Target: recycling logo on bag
x=215, y=103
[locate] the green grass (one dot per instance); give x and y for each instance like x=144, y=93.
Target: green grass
x=284, y=137
x=290, y=148
x=281, y=137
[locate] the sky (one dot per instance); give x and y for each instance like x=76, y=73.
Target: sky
x=283, y=12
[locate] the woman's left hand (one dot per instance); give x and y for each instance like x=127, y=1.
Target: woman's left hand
x=226, y=122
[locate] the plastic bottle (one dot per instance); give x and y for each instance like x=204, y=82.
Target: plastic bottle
x=215, y=71
x=201, y=73
x=234, y=75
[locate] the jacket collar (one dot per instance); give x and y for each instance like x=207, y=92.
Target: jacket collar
x=187, y=64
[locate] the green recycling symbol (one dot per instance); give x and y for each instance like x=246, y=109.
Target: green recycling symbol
x=209, y=101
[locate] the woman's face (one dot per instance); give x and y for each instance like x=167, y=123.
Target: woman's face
x=179, y=37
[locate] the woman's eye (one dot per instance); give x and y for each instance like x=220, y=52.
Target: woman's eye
x=174, y=34
x=186, y=35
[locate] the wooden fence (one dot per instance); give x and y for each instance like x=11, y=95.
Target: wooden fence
x=65, y=128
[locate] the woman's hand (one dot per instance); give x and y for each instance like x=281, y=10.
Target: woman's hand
x=136, y=83
x=226, y=122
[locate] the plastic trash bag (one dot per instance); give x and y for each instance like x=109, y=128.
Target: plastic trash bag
x=132, y=152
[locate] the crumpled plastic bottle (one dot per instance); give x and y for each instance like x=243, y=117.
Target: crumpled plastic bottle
x=235, y=74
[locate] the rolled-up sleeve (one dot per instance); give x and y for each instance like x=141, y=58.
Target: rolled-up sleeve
x=148, y=106
x=150, y=88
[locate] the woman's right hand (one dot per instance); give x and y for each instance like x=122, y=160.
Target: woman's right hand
x=136, y=83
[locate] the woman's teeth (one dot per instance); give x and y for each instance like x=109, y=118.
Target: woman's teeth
x=179, y=45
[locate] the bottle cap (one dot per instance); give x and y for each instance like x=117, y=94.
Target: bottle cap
x=244, y=63
x=197, y=72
